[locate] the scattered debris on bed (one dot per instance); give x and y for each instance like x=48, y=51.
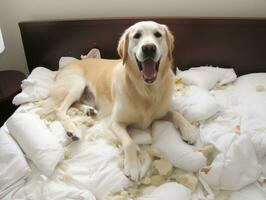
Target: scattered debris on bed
x=223, y=132
x=237, y=129
x=160, y=171
x=260, y=88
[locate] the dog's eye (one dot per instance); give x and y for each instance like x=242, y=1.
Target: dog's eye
x=157, y=34
x=137, y=36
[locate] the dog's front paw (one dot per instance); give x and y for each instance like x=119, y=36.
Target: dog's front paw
x=91, y=111
x=132, y=169
x=73, y=135
x=190, y=134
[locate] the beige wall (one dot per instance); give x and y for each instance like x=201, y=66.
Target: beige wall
x=14, y=11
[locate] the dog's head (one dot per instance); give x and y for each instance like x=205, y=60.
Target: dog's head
x=147, y=48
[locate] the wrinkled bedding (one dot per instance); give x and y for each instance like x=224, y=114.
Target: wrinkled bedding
x=38, y=161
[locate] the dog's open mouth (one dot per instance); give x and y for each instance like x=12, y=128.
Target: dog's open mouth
x=149, y=69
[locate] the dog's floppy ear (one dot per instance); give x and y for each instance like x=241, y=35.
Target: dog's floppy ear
x=170, y=41
x=122, y=47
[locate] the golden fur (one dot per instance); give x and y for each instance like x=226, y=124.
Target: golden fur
x=120, y=92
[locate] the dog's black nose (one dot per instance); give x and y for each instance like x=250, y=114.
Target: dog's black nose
x=149, y=50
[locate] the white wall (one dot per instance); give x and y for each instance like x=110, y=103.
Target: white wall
x=14, y=11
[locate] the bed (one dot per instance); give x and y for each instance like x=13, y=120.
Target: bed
x=220, y=67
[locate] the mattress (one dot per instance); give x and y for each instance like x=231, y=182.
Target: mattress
x=38, y=161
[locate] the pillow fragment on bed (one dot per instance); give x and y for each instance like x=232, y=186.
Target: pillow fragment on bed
x=169, y=191
x=168, y=141
x=36, y=87
x=37, y=142
x=140, y=136
x=63, y=61
x=207, y=76
x=195, y=103
x=13, y=164
x=93, y=53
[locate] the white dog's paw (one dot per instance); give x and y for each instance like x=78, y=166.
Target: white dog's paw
x=190, y=134
x=132, y=169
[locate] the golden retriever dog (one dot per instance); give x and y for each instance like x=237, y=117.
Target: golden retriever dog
x=133, y=91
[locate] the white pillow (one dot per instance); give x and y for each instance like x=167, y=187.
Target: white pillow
x=195, y=103
x=207, y=77
x=140, y=136
x=66, y=60
x=93, y=53
x=36, y=87
x=169, y=191
x=168, y=141
x=13, y=164
x=57, y=129
x=37, y=142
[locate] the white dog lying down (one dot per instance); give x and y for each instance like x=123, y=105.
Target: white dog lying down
x=134, y=91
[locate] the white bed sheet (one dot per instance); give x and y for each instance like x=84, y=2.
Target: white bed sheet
x=237, y=130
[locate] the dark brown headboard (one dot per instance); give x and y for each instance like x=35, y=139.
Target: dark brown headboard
x=238, y=43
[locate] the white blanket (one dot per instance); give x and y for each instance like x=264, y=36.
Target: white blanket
x=93, y=166
x=36, y=141
x=238, y=132
x=232, y=122
x=13, y=165
x=169, y=191
x=36, y=87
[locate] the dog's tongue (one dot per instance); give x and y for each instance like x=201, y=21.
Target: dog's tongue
x=148, y=69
